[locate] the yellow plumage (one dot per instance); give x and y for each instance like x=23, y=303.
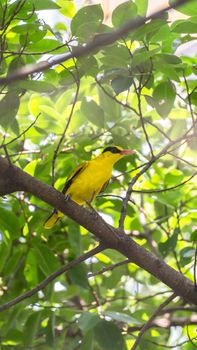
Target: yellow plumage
x=89, y=179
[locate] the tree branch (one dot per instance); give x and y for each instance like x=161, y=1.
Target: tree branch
x=51, y=277
x=14, y=179
x=97, y=42
x=149, y=322
x=167, y=323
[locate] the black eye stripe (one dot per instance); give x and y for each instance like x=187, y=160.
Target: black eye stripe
x=112, y=150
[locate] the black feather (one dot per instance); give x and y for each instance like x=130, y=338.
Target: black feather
x=69, y=182
x=112, y=149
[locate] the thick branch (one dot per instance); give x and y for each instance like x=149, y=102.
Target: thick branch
x=110, y=237
x=8, y=180
x=98, y=42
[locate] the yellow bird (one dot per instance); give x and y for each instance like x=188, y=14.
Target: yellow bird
x=89, y=179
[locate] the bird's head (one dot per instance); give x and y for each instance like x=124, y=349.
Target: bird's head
x=114, y=153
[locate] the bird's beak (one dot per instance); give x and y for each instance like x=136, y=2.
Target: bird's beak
x=127, y=152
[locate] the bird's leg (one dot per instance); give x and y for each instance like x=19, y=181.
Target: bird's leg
x=67, y=197
x=92, y=197
x=92, y=210
x=88, y=203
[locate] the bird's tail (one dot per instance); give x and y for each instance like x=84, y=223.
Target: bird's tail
x=52, y=219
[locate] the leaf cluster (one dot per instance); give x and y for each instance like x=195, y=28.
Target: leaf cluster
x=138, y=93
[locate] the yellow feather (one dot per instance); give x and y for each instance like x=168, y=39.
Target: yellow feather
x=52, y=219
x=87, y=181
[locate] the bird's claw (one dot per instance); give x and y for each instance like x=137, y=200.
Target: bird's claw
x=67, y=197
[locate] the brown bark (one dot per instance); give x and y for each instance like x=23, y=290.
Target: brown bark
x=14, y=179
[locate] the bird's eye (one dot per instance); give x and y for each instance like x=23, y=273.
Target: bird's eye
x=115, y=150
x=112, y=150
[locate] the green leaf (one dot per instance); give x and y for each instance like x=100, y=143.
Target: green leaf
x=123, y=13
x=108, y=104
x=170, y=244
x=142, y=6
x=109, y=336
x=116, y=56
x=50, y=330
x=173, y=177
x=186, y=255
x=47, y=45
x=78, y=276
x=87, y=321
x=165, y=58
x=14, y=336
x=68, y=8
x=30, y=168
x=150, y=100
x=31, y=328
x=122, y=317
x=193, y=98
x=4, y=252
x=147, y=30
x=194, y=236
x=87, y=66
x=74, y=238
x=44, y=5
x=9, y=221
x=184, y=27
x=36, y=85
x=178, y=114
x=163, y=34
x=92, y=112
x=35, y=32
x=189, y=9
x=141, y=55
x=164, y=95
x=88, y=341
x=87, y=30
x=121, y=84
x=9, y=106
x=93, y=13
x=187, y=252
x=14, y=260
x=48, y=263
x=31, y=268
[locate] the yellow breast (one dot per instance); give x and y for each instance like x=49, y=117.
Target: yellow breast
x=90, y=181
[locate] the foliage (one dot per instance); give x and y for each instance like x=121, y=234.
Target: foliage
x=137, y=93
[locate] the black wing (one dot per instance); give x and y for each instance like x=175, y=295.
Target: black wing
x=73, y=175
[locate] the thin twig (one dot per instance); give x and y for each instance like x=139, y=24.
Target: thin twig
x=138, y=94
x=183, y=160
x=97, y=42
x=190, y=339
x=148, y=323
x=189, y=98
x=22, y=133
x=6, y=154
x=166, y=189
x=77, y=81
x=12, y=53
x=145, y=168
x=169, y=346
x=131, y=184
x=109, y=268
x=142, y=121
x=125, y=105
x=17, y=9
x=51, y=277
